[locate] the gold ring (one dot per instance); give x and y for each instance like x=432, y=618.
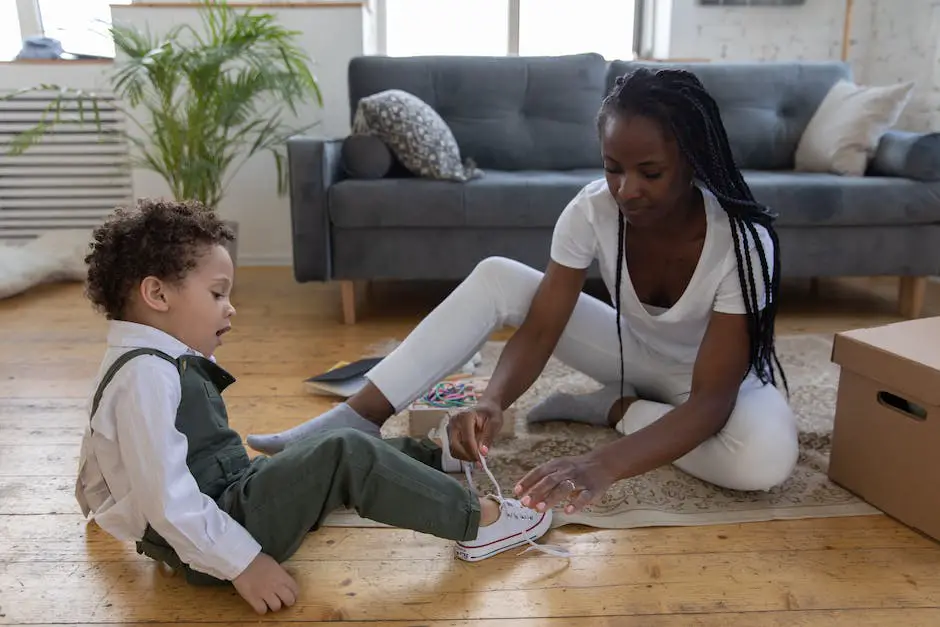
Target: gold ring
x=571, y=483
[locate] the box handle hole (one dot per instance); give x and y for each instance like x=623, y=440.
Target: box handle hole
x=906, y=407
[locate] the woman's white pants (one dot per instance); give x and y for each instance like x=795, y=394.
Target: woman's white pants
x=756, y=450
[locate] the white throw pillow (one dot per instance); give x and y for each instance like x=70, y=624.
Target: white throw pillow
x=844, y=132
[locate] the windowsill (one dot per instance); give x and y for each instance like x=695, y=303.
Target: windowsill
x=238, y=4
x=58, y=62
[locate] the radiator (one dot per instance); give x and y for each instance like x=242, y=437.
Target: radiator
x=71, y=179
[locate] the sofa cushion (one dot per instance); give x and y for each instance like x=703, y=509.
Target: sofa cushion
x=844, y=133
x=366, y=157
x=907, y=154
x=810, y=199
x=507, y=113
x=765, y=106
x=499, y=199
x=536, y=199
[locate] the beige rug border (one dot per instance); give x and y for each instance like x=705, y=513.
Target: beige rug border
x=752, y=511
x=657, y=518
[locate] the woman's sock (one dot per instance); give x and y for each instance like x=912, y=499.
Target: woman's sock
x=341, y=416
x=589, y=408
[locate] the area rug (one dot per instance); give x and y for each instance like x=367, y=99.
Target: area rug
x=667, y=496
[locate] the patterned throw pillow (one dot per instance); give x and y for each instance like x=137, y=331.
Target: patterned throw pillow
x=419, y=137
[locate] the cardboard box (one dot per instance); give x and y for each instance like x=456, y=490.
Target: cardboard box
x=886, y=434
x=422, y=417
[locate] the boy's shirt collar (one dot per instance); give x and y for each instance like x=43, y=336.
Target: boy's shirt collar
x=123, y=334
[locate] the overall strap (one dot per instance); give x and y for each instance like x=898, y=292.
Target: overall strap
x=118, y=363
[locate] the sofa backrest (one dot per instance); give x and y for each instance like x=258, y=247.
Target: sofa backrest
x=765, y=106
x=506, y=113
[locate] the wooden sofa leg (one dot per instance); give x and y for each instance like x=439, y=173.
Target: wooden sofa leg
x=911, y=295
x=348, y=290
x=814, y=287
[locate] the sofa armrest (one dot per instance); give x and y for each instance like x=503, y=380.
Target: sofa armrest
x=314, y=165
x=908, y=155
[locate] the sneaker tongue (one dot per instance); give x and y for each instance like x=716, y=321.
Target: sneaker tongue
x=468, y=470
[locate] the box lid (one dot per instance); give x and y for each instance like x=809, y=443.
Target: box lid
x=902, y=355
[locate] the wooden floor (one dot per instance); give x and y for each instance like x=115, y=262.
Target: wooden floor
x=55, y=569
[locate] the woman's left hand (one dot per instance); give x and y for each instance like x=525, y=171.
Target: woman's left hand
x=577, y=479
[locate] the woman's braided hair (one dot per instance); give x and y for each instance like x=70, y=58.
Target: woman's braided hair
x=678, y=101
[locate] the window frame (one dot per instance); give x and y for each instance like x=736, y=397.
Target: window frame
x=30, y=18
x=512, y=44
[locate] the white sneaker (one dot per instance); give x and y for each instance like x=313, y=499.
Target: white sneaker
x=517, y=525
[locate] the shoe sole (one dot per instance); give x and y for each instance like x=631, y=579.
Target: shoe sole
x=480, y=553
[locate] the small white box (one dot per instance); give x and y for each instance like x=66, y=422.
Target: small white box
x=427, y=411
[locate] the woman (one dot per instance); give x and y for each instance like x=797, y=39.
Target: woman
x=692, y=263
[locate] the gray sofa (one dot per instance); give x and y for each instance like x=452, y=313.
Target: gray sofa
x=529, y=124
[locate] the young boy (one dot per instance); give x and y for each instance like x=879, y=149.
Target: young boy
x=161, y=466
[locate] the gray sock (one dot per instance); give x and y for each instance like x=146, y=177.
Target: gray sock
x=340, y=416
x=589, y=408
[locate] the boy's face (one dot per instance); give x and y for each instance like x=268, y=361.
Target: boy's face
x=198, y=310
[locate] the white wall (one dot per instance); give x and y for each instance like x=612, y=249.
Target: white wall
x=904, y=44
x=331, y=36
x=891, y=41
x=810, y=31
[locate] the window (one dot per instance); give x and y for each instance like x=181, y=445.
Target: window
x=81, y=25
x=10, y=39
x=557, y=27
x=487, y=27
x=433, y=27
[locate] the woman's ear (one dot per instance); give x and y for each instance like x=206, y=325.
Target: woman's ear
x=153, y=294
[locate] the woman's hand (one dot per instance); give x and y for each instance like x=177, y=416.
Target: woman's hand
x=577, y=479
x=472, y=431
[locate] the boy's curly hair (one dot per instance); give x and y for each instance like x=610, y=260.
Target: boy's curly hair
x=160, y=238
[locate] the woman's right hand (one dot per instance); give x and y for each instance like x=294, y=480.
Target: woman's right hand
x=472, y=431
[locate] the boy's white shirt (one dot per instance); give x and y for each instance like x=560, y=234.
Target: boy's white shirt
x=133, y=471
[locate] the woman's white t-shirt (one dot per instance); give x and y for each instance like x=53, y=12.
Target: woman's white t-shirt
x=587, y=230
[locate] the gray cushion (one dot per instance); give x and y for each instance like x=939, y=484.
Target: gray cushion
x=507, y=113
x=764, y=106
x=536, y=199
x=809, y=199
x=906, y=154
x=366, y=157
x=499, y=199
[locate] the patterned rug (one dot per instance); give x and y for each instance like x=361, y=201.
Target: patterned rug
x=667, y=496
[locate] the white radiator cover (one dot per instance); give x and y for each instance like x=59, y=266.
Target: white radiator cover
x=71, y=179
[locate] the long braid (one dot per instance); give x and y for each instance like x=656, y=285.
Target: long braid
x=621, y=230
x=681, y=104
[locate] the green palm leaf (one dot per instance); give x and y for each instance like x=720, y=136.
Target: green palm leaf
x=204, y=99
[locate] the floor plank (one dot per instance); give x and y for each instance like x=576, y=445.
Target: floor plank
x=506, y=587
x=68, y=537
x=55, y=568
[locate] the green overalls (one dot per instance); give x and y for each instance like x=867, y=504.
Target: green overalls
x=280, y=499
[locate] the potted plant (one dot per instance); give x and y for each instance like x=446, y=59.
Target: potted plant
x=204, y=101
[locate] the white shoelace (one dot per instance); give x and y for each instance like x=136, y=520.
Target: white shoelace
x=550, y=549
